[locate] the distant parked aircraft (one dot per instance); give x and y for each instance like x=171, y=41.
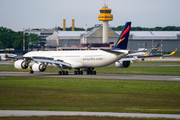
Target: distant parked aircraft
x=6, y=56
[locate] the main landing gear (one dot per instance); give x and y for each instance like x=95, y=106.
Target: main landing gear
x=81, y=72
x=91, y=72
x=63, y=72
x=78, y=72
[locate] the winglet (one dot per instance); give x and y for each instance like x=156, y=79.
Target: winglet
x=172, y=53
x=6, y=55
x=123, y=38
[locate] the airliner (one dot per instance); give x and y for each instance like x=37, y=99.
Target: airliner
x=7, y=56
x=85, y=60
x=126, y=60
x=143, y=49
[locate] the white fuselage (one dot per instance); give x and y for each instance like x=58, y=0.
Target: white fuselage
x=80, y=59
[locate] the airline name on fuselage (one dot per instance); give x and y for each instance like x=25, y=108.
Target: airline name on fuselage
x=91, y=59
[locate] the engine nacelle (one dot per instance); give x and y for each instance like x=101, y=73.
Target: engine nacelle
x=124, y=64
x=20, y=64
x=38, y=67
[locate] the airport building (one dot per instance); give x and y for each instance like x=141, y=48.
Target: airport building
x=43, y=33
x=102, y=36
x=79, y=40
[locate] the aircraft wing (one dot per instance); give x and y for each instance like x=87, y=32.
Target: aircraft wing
x=44, y=60
x=60, y=63
x=144, y=54
x=157, y=55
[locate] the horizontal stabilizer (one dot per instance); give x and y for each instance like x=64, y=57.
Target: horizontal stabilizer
x=113, y=52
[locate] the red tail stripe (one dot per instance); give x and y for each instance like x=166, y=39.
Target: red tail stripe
x=125, y=31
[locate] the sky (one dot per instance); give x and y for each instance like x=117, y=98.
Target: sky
x=19, y=14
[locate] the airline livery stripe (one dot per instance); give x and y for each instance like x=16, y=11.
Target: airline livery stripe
x=146, y=53
x=125, y=31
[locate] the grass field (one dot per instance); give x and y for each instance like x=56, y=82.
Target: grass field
x=67, y=94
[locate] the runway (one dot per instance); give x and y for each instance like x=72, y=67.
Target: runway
x=98, y=76
x=4, y=113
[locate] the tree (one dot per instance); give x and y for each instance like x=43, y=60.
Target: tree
x=2, y=46
x=18, y=41
x=32, y=39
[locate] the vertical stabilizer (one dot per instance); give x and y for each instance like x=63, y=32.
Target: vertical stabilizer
x=155, y=49
x=6, y=55
x=123, y=38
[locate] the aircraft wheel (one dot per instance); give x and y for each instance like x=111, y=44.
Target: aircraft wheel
x=31, y=72
x=66, y=72
x=87, y=72
x=75, y=72
x=81, y=72
x=94, y=72
x=60, y=72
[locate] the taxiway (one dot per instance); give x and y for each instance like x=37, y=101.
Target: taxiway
x=74, y=113
x=98, y=76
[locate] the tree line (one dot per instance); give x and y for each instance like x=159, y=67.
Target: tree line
x=12, y=39
x=167, y=28
x=119, y=28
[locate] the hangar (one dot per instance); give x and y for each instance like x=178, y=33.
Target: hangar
x=170, y=39
x=65, y=38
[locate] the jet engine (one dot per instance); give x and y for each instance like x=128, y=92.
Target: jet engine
x=21, y=64
x=123, y=64
x=38, y=67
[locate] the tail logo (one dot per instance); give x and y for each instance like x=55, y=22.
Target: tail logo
x=6, y=55
x=156, y=49
x=121, y=39
x=172, y=53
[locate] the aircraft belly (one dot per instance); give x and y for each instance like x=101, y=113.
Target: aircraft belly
x=95, y=64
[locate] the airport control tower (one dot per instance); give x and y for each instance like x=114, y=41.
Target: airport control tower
x=105, y=16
